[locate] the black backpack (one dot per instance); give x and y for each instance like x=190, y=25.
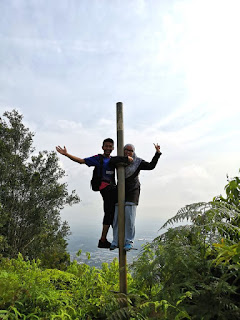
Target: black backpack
x=96, y=178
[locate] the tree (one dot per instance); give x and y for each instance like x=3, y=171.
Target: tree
x=199, y=259
x=232, y=192
x=232, y=198
x=31, y=196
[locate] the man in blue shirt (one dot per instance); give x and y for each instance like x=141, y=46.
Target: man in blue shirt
x=107, y=186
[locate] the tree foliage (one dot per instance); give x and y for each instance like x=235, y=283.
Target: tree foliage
x=192, y=271
x=200, y=258
x=81, y=292
x=31, y=196
x=232, y=192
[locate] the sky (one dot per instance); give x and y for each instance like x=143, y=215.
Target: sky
x=64, y=64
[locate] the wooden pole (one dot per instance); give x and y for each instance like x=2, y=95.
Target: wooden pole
x=121, y=201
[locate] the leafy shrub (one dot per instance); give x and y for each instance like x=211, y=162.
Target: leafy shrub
x=188, y=259
x=82, y=292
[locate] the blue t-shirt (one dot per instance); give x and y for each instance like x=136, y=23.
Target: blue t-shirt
x=107, y=172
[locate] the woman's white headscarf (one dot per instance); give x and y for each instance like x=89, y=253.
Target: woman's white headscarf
x=132, y=167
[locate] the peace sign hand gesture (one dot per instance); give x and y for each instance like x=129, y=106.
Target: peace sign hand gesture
x=157, y=147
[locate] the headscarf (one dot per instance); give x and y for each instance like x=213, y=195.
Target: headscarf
x=132, y=167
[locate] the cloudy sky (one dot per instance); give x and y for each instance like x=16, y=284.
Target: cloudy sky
x=64, y=64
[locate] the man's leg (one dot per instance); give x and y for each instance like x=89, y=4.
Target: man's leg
x=103, y=242
x=108, y=195
x=105, y=229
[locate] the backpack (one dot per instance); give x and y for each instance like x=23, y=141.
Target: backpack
x=96, y=178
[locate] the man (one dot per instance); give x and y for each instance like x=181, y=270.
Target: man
x=107, y=186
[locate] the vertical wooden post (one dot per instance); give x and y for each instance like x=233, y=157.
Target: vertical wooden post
x=121, y=201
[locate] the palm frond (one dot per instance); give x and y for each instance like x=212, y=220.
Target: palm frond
x=121, y=314
x=189, y=212
x=217, y=211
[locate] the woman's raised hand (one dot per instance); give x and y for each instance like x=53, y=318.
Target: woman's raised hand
x=157, y=147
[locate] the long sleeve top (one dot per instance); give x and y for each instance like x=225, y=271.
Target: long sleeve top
x=132, y=183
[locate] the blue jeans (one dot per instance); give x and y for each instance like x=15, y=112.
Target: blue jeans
x=130, y=215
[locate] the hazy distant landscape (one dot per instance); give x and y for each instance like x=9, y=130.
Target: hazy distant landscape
x=86, y=239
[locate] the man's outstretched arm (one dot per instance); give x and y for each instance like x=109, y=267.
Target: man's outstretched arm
x=124, y=160
x=64, y=152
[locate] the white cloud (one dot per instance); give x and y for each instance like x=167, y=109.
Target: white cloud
x=69, y=125
x=174, y=64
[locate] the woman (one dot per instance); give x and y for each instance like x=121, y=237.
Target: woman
x=132, y=193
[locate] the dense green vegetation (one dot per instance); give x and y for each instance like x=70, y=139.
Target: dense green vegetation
x=31, y=197
x=191, y=271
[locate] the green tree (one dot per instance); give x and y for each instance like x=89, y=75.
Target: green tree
x=198, y=261
x=232, y=192
x=233, y=198
x=31, y=196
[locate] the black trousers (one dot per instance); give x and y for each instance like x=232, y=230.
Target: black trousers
x=109, y=195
